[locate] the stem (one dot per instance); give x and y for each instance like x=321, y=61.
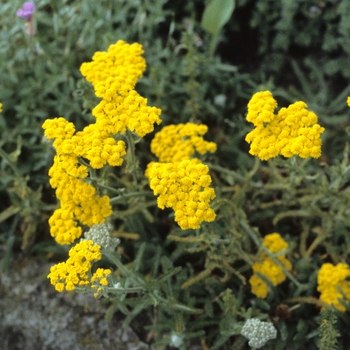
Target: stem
x=124, y=290
x=9, y=161
x=125, y=271
x=131, y=167
x=213, y=43
x=130, y=195
x=176, y=305
x=226, y=171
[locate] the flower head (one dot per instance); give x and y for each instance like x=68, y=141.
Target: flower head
x=27, y=10
x=267, y=266
x=258, y=332
x=333, y=284
x=292, y=131
x=175, y=143
x=100, y=235
x=75, y=271
x=183, y=186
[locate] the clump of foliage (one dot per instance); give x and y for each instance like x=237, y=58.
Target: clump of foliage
x=182, y=221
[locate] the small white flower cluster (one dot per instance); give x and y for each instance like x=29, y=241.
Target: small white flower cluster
x=176, y=340
x=258, y=332
x=100, y=235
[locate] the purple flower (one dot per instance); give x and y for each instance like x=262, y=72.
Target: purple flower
x=27, y=10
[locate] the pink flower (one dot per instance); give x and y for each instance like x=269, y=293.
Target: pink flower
x=27, y=10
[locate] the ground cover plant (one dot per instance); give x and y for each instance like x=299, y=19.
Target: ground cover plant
x=206, y=191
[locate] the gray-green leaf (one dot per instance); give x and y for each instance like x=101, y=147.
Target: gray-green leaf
x=216, y=15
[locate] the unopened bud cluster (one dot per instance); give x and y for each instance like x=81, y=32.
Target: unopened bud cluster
x=258, y=332
x=100, y=235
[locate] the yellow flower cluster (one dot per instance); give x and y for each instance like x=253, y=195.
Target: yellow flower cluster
x=99, y=280
x=79, y=200
x=178, y=142
x=348, y=101
x=182, y=183
x=114, y=75
x=0, y=107
x=333, y=282
x=183, y=186
x=292, y=131
x=74, y=272
x=267, y=267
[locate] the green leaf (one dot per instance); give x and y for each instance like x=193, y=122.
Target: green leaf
x=216, y=15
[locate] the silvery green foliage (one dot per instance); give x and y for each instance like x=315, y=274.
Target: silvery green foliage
x=258, y=332
x=100, y=235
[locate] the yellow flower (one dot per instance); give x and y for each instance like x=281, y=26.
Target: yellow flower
x=122, y=63
x=179, y=142
x=267, y=267
x=74, y=272
x=100, y=277
x=114, y=75
x=292, y=131
x=348, y=101
x=332, y=280
x=0, y=107
x=183, y=186
x=180, y=182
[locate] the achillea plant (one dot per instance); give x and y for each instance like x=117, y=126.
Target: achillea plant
x=114, y=75
x=183, y=183
x=81, y=175
x=120, y=108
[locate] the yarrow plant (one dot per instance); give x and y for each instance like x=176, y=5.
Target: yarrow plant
x=182, y=183
x=176, y=172
x=119, y=109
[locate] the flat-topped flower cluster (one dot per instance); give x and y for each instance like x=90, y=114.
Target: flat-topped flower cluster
x=75, y=271
x=292, y=131
x=181, y=182
x=267, y=267
x=333, y=284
